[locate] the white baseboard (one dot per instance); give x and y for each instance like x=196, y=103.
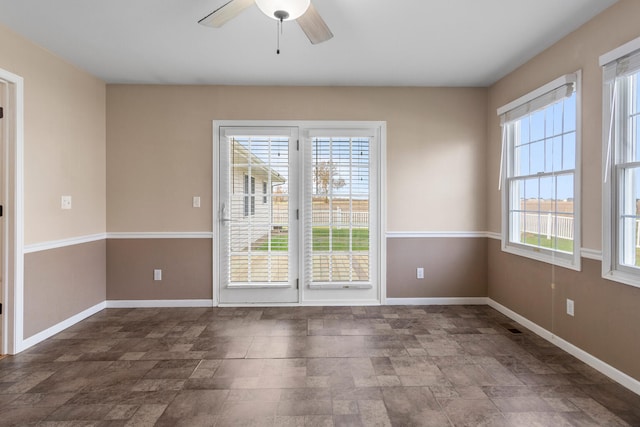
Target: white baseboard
x=48, y=333
x=606, y=369
x=439, y=301
x=161, y=303
x=334, y=303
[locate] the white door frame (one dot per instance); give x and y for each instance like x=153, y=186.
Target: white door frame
x=382, y=179
x=256, y=293
x=12, y=169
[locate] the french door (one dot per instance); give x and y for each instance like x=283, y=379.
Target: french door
x=297, y=215
x=257, y=215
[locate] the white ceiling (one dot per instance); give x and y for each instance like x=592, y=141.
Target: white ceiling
x=376, y=43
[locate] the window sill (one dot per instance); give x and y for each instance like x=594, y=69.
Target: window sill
x=623, y=277
x=572, y=262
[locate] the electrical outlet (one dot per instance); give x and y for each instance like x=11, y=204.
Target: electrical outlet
x=157, y=274
x=65, y=202
x=420, y=273
x=570, y=307
x=196, y=201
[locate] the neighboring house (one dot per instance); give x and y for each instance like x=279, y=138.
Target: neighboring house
x=252, y=202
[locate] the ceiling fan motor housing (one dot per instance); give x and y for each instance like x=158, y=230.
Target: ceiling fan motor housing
x=283, y=10
x=281, y=15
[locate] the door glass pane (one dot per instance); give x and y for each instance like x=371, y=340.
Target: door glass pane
x=259, y=222
x=340, y=196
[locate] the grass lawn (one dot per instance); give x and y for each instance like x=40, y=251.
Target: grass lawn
x=564, y=245
x=321, y=240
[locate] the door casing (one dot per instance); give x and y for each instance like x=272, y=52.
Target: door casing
x=307, y=296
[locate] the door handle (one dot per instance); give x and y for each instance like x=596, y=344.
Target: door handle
x=222, y=214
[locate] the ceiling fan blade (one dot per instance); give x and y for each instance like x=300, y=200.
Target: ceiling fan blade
x=229, y=10
x=314, y=26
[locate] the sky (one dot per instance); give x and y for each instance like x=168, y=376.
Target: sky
x=547, y=144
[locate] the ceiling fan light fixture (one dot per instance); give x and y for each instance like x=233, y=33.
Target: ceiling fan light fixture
x=274, y=8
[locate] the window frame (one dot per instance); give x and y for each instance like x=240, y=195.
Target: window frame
x=614, y=140
x=568, y=260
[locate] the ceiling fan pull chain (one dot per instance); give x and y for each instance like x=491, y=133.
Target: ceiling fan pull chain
x=279, y=32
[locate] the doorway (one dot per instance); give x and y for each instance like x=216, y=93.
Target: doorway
x=11, y=221
x=297, y=213
x=4, y=94
x=258, y=215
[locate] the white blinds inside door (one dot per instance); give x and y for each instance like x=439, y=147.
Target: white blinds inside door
x=337, y=243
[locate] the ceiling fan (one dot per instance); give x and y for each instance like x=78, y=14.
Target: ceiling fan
x=303, y=11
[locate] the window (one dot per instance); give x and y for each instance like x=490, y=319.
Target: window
x=339, y=244
x=249, y=196
x=621, y=139
x=541, y=181
x=264, y=192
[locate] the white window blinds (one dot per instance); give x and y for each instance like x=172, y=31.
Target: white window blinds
x=621, y=62
x=616, y=66
x=552, y=92
x=560, y=88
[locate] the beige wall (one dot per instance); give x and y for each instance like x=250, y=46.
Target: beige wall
x=579, y=50
x=159, y=149
x=606, y=312
x=64, y=142
x=64, y=154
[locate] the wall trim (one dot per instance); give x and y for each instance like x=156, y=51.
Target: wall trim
x=439, y=301
x=591, y=254
x=161, y=235
x=59, y=327
x=161, y=303
x=495, y=236
x=434, y=234
x=55, y=244
x=71, y=241
x=603, y=367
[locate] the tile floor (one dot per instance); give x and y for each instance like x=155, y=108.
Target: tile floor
x=306, y=366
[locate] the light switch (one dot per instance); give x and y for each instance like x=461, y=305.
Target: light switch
x=65, y=202
x=196, y=201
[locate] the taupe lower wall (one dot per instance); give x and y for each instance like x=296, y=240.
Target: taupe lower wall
x=60, y=283
x=186, y=266
x=606, y=313
x=453, y=267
